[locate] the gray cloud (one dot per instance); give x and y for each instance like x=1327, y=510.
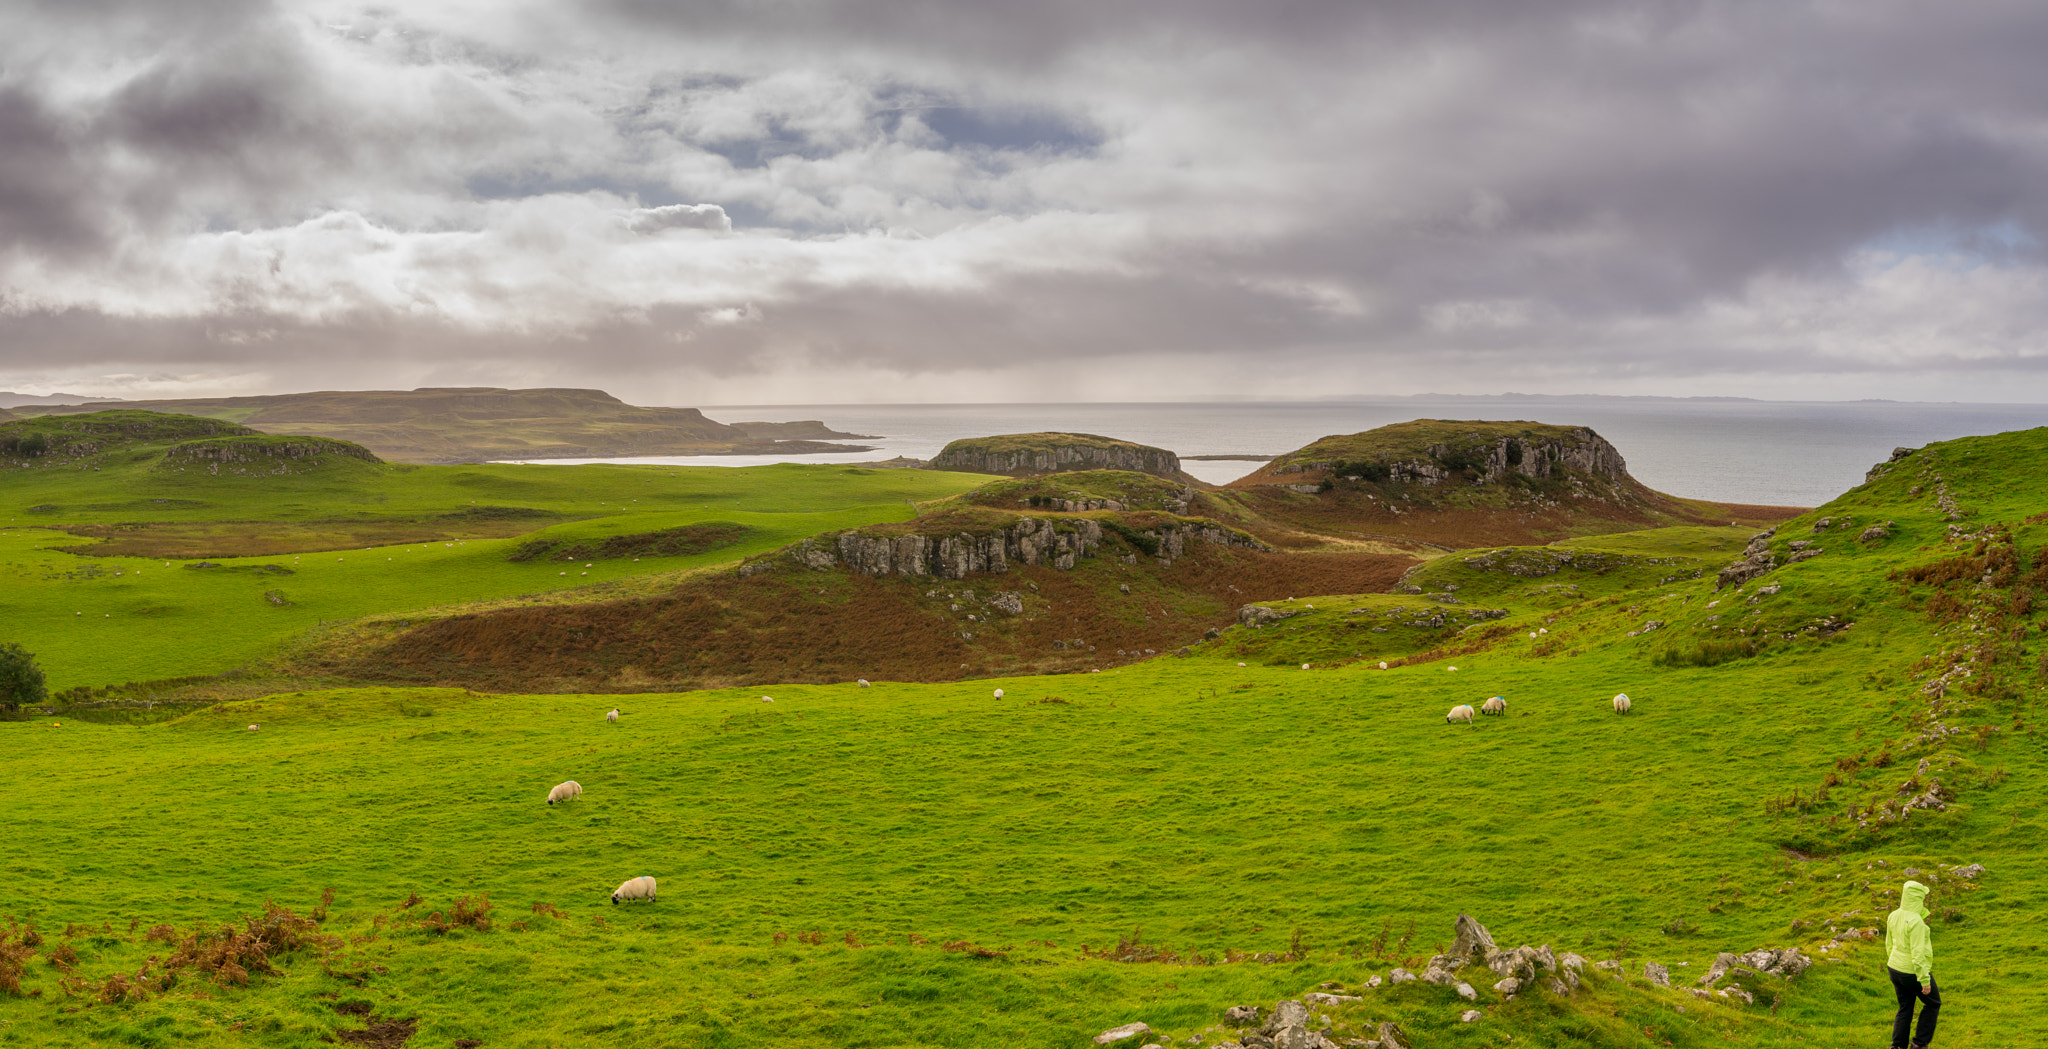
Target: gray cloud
x=1795, y=199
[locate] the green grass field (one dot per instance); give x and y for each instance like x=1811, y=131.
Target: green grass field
x=921, y=864
x=106, y=620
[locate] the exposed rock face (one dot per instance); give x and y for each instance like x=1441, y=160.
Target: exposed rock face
x=1030, y=541
x=259, y=455
x=1756, y=560
x=1578, y=449
x=1044, y=453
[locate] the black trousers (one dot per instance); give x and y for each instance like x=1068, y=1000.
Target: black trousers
x=1907, y=987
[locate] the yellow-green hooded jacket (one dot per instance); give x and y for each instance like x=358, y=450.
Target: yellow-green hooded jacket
x=1906, y=937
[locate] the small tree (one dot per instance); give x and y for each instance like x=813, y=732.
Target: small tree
x=21, y=681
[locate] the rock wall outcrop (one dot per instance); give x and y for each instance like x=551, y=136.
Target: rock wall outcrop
x=1025, y=454
x=257, y=454
x=1579, y=449
x=1030, y=541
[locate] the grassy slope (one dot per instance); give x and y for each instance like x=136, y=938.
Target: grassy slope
x=105, y=620
x=1220, y=807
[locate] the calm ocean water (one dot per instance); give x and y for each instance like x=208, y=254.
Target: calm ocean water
x=1775, y=452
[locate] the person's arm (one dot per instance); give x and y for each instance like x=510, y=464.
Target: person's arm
x=1921, y=942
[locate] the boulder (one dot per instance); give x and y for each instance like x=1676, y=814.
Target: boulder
x=1388, y=1036
x=1285, y=1014
x=1241, y=1015
x=1400, y=975
x=1968, y=873
x=1557, y=986
x=1508, y=987
x=1118, y=1034
x=1324, y=998
x=1470, y=942
x=1656, y=974
x=1008, y=602
x=1722, y=963
x=1469, y=1015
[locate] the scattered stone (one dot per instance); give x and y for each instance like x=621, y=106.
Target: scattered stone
x=1400, y=975
x=1737, y=992
x=1508, y=986
x=1326, y=999
x=1656, y=974
x=1373, y=981
x=1469, y=1016
x=1968, y=873
x=1465, y=991
x=1008, y=602
x=1118, y=1034
x=1241, y=1015
x=1557, y=987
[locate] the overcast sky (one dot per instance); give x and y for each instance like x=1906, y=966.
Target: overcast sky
x=897, y=200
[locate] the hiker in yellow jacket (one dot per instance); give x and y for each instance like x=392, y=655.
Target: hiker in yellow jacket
x=1910, y=960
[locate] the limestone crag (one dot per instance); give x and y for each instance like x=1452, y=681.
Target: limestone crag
x=1027, y=454
x=1029, y=541
x=1579, y=450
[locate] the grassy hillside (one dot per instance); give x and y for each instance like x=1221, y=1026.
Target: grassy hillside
x=444, y=425
x=1456, y=484
x=927, y=864
x=101, y=536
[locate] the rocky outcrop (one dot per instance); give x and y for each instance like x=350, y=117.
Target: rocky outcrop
x=1029, y=541
x=1756, y=560
x=1578, y=449
x=1044, y=453
x=257, y=455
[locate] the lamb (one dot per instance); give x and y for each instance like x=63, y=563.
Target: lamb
x=641, y=888
x=1496, y=705
x=569, y=791
x=1621, y=703
x=1461, y=712
x=613, y=716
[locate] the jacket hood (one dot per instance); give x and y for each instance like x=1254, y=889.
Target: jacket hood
x=1912, y=897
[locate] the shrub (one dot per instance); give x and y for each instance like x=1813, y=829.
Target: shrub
x=21, y=681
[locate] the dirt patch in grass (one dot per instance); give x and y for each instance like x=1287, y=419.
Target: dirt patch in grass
x=189, y=540
x=382, y=1033
x=670, y=542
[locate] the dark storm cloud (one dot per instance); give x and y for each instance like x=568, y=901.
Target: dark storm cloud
x=1567, y=192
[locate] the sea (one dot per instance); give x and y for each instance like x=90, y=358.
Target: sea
x=1779, y=453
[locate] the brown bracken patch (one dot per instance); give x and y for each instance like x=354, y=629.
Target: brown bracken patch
x=791, y=625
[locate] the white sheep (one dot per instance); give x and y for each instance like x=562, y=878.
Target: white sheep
x=612, y=715
x=767, y=699
x=1461, y=712
x=1383, y=664
x=999, y=693
x=863, y=682
x=641, y=888
x=1621, y=703
x=254, y=728
x=1496, y=705
x=569, y=791
x=1304, y=666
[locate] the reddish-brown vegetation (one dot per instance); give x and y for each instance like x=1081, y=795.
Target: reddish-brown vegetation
x=792, y=625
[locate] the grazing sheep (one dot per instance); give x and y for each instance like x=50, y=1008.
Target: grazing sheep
x=569, y=791
x=863, y=682
x=999, y=693
x=1621, y=703
x=1383, y=664
x=641, y=888
x=613, y=715
x=1304, y=666
x=1461, y=712
x=767, y=699
x=1496, y=705
x=254, y=728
